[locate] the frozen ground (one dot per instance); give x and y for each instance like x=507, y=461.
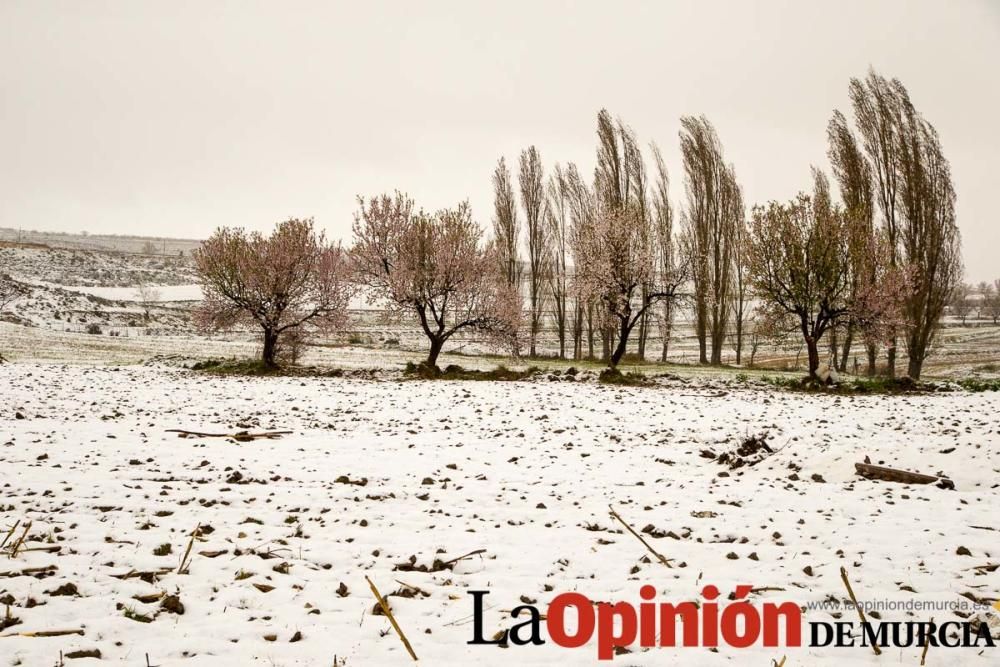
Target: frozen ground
x=524, y=470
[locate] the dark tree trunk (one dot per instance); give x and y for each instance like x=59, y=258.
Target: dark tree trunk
x=436, y=345
x=890, y=370
x=739, y=341
x=872, y=357
x=619, y=351
x=915, y=367
x=590, y=331
x=643, y=326
x=270, y=348
x=813, y=348
x=667, y=324
x=834, y=347
x=846, y=351
x=700, y=331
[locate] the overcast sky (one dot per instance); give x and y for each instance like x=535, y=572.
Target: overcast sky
x=172, y=118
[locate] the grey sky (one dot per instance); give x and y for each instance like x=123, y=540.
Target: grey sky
x=171, y=118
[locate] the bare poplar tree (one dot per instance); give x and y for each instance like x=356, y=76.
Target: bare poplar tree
x=853, y=173
x=582, y=211
x=557, y=219
x=714, y=205
x=663, y=220
x=505, y=226
x=876, y=112
x=929, y=236
x=741, y=285
x=530, y=179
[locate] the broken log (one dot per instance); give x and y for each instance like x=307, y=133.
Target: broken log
x=870, y=471
x=240, y=436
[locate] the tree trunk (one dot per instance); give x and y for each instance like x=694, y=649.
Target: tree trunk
x=619, y=352
x=700, y=331
x=643, y=324
x=890, y=370
x=846, y=351
x=834, y=347
x=432, y=356
x=813, y=349
x=739, y=341
x=916, y=365
x=270, y=348
x=590, y=331
x=872, y=356
x=668, y=318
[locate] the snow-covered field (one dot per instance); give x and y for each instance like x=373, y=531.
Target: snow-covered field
x=381, y=477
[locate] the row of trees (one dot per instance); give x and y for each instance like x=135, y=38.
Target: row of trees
x=605, y=262
x=878, y=266
x=965, y=302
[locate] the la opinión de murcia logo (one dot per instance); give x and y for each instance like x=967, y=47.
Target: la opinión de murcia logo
x=572, y=620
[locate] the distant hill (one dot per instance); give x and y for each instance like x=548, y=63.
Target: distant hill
x=148, y=245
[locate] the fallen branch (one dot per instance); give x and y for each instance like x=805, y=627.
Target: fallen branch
x=240, y=436
x=639, y=537
x=45, y=633
x=870, y=471
x=146, y=575
x=861, y=612
x=29, y=571
x=392, y=619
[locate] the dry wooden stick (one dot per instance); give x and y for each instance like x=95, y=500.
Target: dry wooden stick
x=392, y=619
x=28, y=571
x=861, y=612
x=927, y=645
x=187, y=552
x=45, y=633
x=9, y=533
x=240, y=435
x=413, y=588
x=17, y=544
x=639, y=537
x=471, y=553
x=782, y=663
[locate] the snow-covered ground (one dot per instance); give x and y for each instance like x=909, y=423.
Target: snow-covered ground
x=524, y=470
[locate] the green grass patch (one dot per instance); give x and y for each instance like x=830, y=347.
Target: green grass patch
x=257, y=368
x=866, y=385
x=977, y=384
x=629, y=379
x=454, y=372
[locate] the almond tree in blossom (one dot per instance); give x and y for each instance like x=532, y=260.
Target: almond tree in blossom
x=617, y=267
x=434, y=268
x=292, y=281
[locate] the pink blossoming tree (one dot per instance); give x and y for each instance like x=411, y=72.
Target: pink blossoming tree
x=434, y=268
x=618, y=267
x=290, y=283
